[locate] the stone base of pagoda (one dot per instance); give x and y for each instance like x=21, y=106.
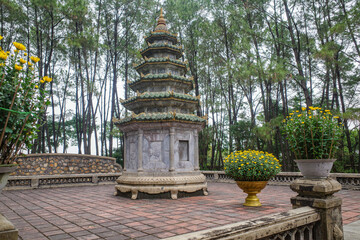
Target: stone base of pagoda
x=161, y=185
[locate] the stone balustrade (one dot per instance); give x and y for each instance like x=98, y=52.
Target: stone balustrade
x=300, y=223
x=347, y=180
x=66, y=180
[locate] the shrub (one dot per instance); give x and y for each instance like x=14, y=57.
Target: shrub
x=22, y=101
x=312, y=133
x=251, y=165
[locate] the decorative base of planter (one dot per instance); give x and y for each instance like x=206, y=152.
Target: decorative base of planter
x=315, y=168
x=5, y=172
x=7, y=229
x=252, y=188
x=162, y=185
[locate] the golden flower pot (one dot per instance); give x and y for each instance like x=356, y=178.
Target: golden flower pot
x=252, y=188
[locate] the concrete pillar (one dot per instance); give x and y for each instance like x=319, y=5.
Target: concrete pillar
x=140, y=150
x=171, y=149
x=318, y=194
x=196, y=150
x=125, y=152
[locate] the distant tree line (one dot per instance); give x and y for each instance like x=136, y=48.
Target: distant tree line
x=253, y=62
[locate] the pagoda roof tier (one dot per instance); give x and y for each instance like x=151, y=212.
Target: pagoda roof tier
x=161, y=117
x=158, y=105
x=162, y=80
x=161, y=35
x=161, y=47
x=155, y=96
x=167, y=60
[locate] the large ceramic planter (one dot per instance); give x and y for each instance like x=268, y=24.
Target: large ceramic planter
x=5, y=171
x=252, y=188
x=315, y=168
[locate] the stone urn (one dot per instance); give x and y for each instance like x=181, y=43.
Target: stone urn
x=315, y=168
x=252, y=188
x=5, y=171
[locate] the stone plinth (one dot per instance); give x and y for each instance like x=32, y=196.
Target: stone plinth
x=7, y=229
x=147, y=185
x=318, y=193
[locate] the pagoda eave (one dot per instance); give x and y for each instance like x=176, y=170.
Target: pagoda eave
x=139, y=104
x=134, y=124
x=164, y=35
x=150, y=50
x=144, y=64
x=187, y=85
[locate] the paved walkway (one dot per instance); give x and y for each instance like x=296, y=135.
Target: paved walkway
x=94, y=213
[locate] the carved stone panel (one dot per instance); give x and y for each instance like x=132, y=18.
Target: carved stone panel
x=183, y=150
x=132, y=153
x=155, y=152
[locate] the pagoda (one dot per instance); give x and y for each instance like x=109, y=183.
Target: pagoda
x=161, y=157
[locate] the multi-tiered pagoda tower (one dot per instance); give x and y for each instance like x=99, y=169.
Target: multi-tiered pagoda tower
x=161, y=135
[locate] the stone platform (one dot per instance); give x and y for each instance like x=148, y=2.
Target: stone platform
x=151, y=185
x=93, y=212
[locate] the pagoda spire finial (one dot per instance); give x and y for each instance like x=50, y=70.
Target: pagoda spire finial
x=161, y=24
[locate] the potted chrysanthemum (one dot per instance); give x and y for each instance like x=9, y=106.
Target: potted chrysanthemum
x=251, y=170
x=313, y=135
x=22, y=102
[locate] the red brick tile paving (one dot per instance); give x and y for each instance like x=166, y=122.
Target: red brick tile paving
x=94, y=213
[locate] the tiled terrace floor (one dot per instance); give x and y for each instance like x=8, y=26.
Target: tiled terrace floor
x=94, y=213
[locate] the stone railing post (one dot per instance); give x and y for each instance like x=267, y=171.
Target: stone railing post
x=318, y=194
x=95, y=178
x=35, y=182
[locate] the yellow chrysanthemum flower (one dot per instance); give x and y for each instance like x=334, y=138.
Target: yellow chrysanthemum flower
x=336, y=117
x=34, y=59
x=19, y=46
x=3, y=55
x=30, y=64
x=36, y=86
x=1, y=37
x=25, y=54
x=42, y=81
x=22, y=61
x=18, y=68
x=303, y=108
